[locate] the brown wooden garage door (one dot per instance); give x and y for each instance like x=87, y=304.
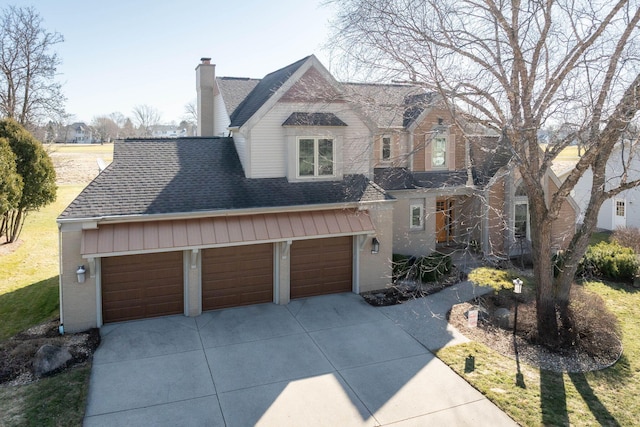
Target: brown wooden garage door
x=321, y=266
x=238, y=275
x=139, y=286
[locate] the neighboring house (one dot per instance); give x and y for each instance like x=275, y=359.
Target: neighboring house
x=78, y=133
x=167, y=131
x=617, y=211
x=299, y=185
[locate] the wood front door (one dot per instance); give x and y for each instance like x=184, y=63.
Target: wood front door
x=444, y=220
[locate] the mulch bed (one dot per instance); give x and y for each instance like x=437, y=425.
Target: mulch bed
x=502, y=340
x=402, y=291
x=17, y=353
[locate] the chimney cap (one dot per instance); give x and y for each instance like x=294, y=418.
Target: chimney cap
x=206, y=60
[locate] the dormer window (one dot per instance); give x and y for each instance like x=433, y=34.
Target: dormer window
x=316, y=157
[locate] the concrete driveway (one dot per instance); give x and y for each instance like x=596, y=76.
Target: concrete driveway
x=327, y=361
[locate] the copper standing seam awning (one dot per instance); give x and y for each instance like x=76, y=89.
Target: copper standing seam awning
x=160, y=236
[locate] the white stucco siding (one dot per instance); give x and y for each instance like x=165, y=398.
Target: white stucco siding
x=220, y=117
x=269, y=147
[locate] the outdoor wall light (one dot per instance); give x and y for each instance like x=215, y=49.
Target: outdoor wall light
x=375, y=245
x=81, y=272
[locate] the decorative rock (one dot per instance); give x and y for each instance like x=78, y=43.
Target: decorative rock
x=503, y=317
x=50, y=358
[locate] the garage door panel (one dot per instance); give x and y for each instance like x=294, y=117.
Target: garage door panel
x=321, y=266
x=140, y=286
x=235, y=276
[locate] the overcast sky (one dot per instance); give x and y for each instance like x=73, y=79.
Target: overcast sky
x=118, y=54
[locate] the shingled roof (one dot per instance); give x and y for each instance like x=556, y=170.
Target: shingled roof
x=262, y=92
x=389, y=105
x=404, y=179
x=183, y=175
x=234, y=90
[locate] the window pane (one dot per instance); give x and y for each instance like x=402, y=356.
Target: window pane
x=416, y=216
x=438, y=151
x=306, y=164
x=521, y=220
x=325, y=157
x=619, y=207
x=386, y=148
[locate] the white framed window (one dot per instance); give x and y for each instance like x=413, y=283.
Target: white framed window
x=439, y=152
x=386, y=148
x=620, y=208
x=316, y=157
x=416, y=216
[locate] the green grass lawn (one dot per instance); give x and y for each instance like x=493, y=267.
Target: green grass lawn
x=29, y=296
x=607, y=397
x=29, y=274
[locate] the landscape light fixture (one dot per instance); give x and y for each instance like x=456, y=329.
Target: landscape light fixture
x=517, y=289
x=81, y=272
x=517, y=285
x=375, y=245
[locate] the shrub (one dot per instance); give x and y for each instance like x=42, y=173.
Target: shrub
x=434, y=266
x=401, y=265
x=610, y=260
x=495, y=278
x=628, y=237
x=430, y=268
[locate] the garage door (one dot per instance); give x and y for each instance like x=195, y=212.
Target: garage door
x=321, y=266
x=238, y=275
x=139, y=286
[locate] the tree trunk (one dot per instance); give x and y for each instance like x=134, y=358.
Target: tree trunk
x=16, y=219
x=546, y=301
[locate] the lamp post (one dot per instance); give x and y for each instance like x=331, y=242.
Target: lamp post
x=517, y=289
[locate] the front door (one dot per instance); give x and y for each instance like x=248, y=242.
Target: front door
x=444, y=220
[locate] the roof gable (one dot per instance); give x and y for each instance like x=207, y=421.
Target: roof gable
x=312, y=87
x=262, y=92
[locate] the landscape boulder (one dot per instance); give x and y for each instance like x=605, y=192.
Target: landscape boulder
x=503, y=317
x=49, y=358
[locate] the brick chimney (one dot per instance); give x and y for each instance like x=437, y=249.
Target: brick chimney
x=205, y=82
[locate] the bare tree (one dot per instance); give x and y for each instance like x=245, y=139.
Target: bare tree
x=191, y=112
x=106, y=128
x=28, y=90
x=145, y=117
x=517, y=67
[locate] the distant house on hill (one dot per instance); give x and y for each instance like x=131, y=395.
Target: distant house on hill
x=167, y=131
x=76, y=133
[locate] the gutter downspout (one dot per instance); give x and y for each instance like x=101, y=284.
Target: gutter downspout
x=60, y=304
